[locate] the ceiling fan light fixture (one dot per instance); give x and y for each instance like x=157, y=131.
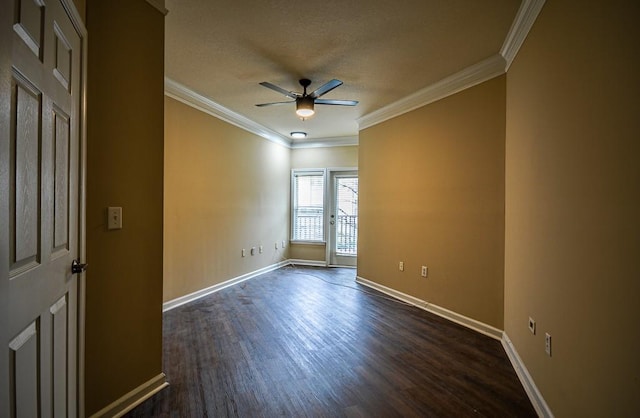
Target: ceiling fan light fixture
x=304, y=107
x=298, y=135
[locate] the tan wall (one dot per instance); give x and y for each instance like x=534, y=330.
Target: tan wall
x=124, y=161
x=329, y=157
x=225, y=189
x=572, y=205
x=432, y=193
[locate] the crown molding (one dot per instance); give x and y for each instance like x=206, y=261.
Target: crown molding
x=191, y=98
x=158, y=5
x=526, y=16
x=469, y=77
x=342, y=141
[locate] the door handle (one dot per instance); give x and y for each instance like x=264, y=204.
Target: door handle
x=77, y=267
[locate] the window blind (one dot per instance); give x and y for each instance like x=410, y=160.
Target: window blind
x=308, y=206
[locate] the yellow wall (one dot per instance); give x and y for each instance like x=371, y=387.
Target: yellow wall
x=572, y=206
x=225, y=189
x=432, y=193
x=124, y=160
x=329, y=157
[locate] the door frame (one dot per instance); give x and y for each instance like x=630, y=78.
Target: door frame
x=330, y=205
x=78, y=24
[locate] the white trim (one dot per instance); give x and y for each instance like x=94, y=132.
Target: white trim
x=536, y=398
x=310, y=263
x=79, y=25
x=189, y=97
x=478, y=73
x=302, y=172
x=522, y=23
x=134, y=398
x=330, y=205
x=465, y=321
x=342, y=141
x=159, y=5
x=167, y=306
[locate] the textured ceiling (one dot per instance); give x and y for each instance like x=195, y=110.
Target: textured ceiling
x=383, y=50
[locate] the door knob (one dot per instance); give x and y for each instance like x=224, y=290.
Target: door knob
x=77, y=267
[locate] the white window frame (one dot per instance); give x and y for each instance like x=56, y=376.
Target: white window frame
x=294, y=200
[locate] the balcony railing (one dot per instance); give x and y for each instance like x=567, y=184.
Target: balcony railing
x=347, y=234
x=308, y=224
x=309, y=228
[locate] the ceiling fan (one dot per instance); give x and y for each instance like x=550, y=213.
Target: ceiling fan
x=305, y=101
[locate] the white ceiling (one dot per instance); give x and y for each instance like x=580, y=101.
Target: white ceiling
x=383, y=51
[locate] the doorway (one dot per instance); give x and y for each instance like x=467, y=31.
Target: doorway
x=342, y=244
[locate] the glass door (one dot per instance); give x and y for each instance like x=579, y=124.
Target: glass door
x=343, y=219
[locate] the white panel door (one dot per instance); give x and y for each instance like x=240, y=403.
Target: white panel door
x=42, y=231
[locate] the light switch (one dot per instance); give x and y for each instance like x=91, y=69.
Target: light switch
x=114, y=218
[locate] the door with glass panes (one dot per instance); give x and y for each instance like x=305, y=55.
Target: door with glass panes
x=343, y=218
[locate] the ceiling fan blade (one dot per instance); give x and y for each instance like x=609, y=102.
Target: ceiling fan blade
x=336, y=102
x=325, y=88
x=274, y=103
x=280, y=90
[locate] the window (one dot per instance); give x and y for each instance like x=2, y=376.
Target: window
x=346, y=215
x=308, y=205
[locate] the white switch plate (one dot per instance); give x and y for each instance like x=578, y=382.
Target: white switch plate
x=425, y=271
x=547, y=343
x=114, y=218
x=532, y=326
x=401, y=266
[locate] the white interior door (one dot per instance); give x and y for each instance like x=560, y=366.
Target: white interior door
x=343, y=218
x=43, y=195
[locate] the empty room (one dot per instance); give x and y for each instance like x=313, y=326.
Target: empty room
x=274, y=208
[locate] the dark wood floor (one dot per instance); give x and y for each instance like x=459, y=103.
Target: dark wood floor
x=303, y=342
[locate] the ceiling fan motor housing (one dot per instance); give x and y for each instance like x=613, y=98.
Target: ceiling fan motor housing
x=305, y=82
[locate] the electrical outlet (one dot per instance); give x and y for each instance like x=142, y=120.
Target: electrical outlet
x=253, y=250
x=425, y=271
x=244, y=252
x=260, y=249
x=401, y=266
x=532, y=326
x=547, y=343
x=276, y=245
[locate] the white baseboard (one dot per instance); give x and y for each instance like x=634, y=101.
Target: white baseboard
x=529, y=385
x=435, y=309
x=311, y=263
x=134, y=398
x=167, y=306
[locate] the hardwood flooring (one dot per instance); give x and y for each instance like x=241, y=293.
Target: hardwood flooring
x=310, y=342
